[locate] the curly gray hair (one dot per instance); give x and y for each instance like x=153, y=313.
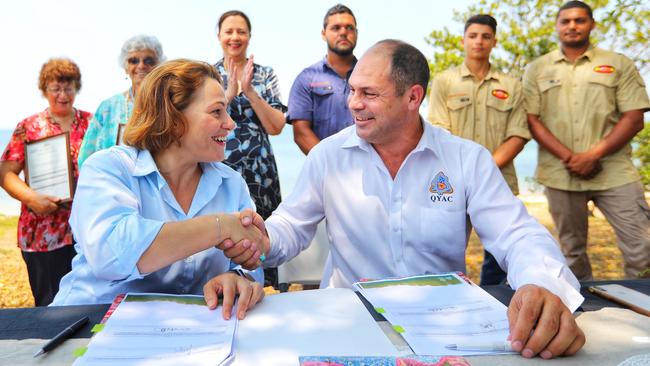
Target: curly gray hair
x=139, y=43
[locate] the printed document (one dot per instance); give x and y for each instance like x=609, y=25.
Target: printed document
x=433, y=312
x=162, y=329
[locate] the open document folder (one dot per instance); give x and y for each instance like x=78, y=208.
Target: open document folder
x=435, y=312
x=162, y=329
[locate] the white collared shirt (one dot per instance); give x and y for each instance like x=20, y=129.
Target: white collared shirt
x=417, y=223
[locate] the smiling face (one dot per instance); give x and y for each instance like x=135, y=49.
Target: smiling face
x=60, y=97
x=208, y=124
x=340, y=33
x=478, y=41
x=234, y=37
x=139, y=64
x=377, y=110
x=573, y=27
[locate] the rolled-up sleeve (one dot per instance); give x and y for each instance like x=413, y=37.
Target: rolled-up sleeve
x=532, y=96
x=106, y=221
x=520, y=244
x=300, y=102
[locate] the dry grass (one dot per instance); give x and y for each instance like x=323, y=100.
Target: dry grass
x=603, y=253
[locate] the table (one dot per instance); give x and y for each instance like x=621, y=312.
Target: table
x=44, y=323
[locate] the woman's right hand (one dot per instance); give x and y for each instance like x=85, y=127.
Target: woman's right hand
x=42, y=204
x=251, y=240
x=233, y=79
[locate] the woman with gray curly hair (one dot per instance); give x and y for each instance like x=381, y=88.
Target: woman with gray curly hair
x=139, y=55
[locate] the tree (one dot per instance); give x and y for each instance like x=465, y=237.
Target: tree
x=527, y=30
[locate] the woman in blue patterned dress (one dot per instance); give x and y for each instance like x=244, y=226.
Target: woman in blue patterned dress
x=254, y=104
x=253, y=95
x=139, y=55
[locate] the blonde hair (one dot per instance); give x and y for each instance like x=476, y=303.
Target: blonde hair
x=157, y=120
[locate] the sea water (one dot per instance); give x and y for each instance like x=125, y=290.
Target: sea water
x=290, y=159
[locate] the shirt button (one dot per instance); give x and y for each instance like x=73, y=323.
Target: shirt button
x=189, y=259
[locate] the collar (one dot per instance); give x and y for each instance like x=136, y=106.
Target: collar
x=493, y=73
x=427, y=140
x=558, y=55
x=145, y=165
x=327, y=66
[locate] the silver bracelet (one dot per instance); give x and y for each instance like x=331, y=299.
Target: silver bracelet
x=218, y=228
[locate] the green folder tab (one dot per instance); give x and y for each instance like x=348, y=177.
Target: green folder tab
x=398, y=328
x=380, y=310
x=98, y=328
x=80, y=351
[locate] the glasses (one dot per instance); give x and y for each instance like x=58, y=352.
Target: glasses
x=149, y=61
x=56, y=90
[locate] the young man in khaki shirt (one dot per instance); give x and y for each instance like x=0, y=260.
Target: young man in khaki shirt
x=478, y=102
x=584, y=105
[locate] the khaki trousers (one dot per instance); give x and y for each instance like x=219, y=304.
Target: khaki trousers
x=624, y=207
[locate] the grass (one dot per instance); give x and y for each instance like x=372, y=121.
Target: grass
x=602, y=250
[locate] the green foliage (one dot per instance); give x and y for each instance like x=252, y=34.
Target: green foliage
x=642, y=155
x=527, y=30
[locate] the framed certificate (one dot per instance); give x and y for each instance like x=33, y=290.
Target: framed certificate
x=120, y=134
x=48, y=166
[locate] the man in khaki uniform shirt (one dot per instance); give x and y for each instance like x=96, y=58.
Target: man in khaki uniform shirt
x=584, y=106
x=478, y=102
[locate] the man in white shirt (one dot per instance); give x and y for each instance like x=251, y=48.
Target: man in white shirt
x=399, y=196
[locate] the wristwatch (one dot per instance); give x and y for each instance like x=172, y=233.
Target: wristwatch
x=241, y=273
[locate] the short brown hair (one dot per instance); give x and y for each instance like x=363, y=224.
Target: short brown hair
x=61, y=70
x=157, y=120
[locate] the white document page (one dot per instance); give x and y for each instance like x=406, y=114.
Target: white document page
x=326, y=322
x=435, y=311
x=162, y=329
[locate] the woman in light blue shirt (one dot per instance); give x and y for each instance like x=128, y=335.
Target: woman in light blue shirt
x=147, y=216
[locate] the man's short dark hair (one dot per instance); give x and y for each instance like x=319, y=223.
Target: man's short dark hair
x=483, y=19
x=408, y=66
x=576, y=4
x=337, y=9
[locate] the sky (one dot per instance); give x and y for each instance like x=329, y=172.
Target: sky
x=285, y=36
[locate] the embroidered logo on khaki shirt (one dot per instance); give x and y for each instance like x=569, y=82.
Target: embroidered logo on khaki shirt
x=604, y=69
x=500, y=93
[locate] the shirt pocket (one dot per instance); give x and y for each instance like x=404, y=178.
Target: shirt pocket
x=500, y=105
x=323, y=91
x=601, y=89
x=443, y=232
x=458, y=103
x=546, y=85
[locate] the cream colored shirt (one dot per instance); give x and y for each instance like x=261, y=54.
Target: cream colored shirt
x=580, y=103
x=485, y=111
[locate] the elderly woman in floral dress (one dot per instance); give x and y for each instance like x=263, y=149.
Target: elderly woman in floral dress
x=44, y=235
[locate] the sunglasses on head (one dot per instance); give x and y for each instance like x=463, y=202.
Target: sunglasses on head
x=149, y=61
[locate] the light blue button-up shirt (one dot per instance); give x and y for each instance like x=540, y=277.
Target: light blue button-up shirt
x=120, y=205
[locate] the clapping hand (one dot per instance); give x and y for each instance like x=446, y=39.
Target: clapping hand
x=234, y=76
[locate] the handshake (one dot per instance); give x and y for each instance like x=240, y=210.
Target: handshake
x=243, y=238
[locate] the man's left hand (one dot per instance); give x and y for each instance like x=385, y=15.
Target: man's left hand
x=584, y=165
x=541, y=324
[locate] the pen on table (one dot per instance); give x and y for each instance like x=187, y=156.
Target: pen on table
x=504, y=346
x=62, y=336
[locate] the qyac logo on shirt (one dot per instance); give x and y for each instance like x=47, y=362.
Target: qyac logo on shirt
x=441, y=188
